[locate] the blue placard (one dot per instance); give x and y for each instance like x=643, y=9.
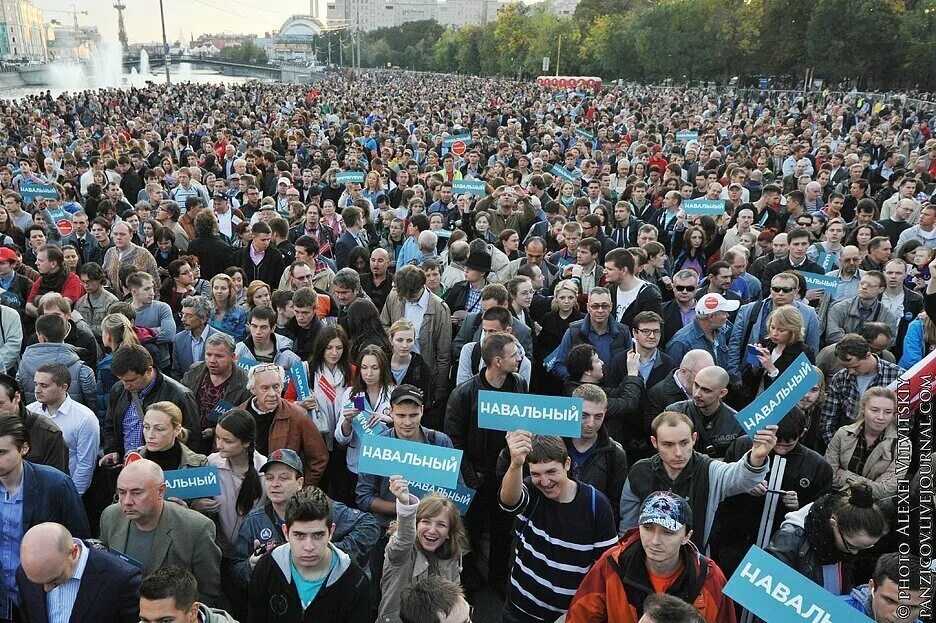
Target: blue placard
x=197, y=482
x=220, y=409
x=776, y=593
x=420, y=462
x=30, y=190
x=701, y=207
x=782, y=395
x=560, y=171
x=469, y=187
x=62, y=220
x=763, y=83
x=827, y=283
x=461, y=496
x=544, y=415
x=588, y=136
x=687, y=135
x=826, y=260
x=559, y=96
x=300, y=379
x=448, y=141
x=350, y=177
x=246, y=363
x=359, y=424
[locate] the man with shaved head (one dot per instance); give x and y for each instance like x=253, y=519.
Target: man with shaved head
x=154, y=533
x=712, y=419
x=60, y=578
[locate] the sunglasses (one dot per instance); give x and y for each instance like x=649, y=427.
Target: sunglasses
x=685, y=288
x=784, y=289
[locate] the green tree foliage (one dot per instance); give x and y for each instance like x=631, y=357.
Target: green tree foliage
x=247, y=52
x=882, y=42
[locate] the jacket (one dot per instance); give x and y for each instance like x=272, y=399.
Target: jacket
x=94, y=314
x=213, y=615
x=50, y=495
x=356, y=533
x=615, y=341
x=470, y=331
x=188, y=460
x=659, y=396
x=182, y=537
x=790, y=545
x=616, y=586
x=912, y=306
x=293, y=428
x=108, y=591
x=46, y=444
x=213, y=253
x=165, y=389
x=235, y=392
x=303, y=338
x=648, y=298
x=82, y=387
x=269, y=270
x=714, y=434
x=692, y=337
x=343, y=598
x=753, y=376
x=481, y=446
x=11, y=338
x=435, y=337
x=881, y=468
x=663, y=366
x=704, y=483
x=405, y=563
x=182, y=351
x=914, y=345
x=751, y=324
x=844, y=318
x=778, y=266
x=283, y=356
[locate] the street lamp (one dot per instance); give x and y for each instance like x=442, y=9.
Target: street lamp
x=162, y=18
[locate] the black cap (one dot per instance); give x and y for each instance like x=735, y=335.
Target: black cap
x=406, y=393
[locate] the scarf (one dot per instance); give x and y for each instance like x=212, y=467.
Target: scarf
x=820, y=535
x=53, y=282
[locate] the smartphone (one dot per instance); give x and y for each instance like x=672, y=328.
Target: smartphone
x=751, y=355
x=359, y=402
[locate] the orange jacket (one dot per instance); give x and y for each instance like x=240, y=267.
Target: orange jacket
x=602, y=596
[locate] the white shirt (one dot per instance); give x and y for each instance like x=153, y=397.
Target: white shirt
x=894, y=304
x=625, y=298
x=81, y=433
x=415, y=312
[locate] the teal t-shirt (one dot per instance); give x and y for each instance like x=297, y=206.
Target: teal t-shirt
x=308, y=589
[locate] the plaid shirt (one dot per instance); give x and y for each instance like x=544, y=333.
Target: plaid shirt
x=842, y=397
x=862, y=451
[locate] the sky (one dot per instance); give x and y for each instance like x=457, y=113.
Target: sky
x=190, y=17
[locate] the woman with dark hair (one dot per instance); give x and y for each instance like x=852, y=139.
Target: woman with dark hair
x=177, y=285
x=860, y=237
x=329, y=372
x=364, y=327
x=359, y=260
x=238, y=464
x=163, y=248
x=821, y=538
x=239, y=277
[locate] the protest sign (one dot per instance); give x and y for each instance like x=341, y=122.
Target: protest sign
x=776, y=401
x=419, y=462
x=196, y=482
x=544, y=415
x=219, y=410
x=246, y=363
x=775, y=593
x=300, y=379
x=701, y=207
x=469, y=187
x=350, y=177
x=360, y=424
x=564, y=173
x=826, y=260
x=581, y=133
x=62, y=220
x=914, y=385
x=826, y=283
x=449, y=141
x=31, y=190
x=461, y=496
x=687, y=135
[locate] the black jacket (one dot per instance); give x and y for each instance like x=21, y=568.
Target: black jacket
x=648, y=298
x=778, y=266
x=664, y=393
x=662, y=367
x=214, y=255
x=672, y=322
x=752, y=376
x=344, y=598
x=481, y=446
x=164, y=389
x=269, y=270
x=303, y=338
x=913, y=305
x=81, y=339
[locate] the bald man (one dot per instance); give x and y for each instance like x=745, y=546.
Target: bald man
x=378, y=282
x=143, y=527
x=62, y=575
x=713, y=420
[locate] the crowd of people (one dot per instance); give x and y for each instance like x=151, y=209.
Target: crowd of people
x=200, y=256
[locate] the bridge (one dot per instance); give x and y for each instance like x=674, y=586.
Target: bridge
x=282, y=73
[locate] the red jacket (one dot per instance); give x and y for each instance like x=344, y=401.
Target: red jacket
x=602, y=595
x=71, y=289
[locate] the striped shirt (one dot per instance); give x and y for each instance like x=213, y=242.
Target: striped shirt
x=556, y=546
x=61, y=599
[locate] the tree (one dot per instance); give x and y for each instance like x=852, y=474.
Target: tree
x=246, y=52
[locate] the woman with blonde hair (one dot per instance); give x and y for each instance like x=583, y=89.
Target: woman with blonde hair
x=226, y=315
x=427, y=539
x=866, y=450
x=783, y=344
x=565, y=311
x=164, y=438
x=116, y=330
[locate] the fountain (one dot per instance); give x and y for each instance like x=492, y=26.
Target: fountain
x=144, y=62
x=105, y=69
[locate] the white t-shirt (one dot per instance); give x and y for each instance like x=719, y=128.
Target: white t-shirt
x=625, y=298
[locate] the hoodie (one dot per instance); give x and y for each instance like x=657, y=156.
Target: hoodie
x=344, y=598
x=213, y=615
x=82, y=387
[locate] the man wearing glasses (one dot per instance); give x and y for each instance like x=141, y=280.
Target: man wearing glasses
x=751, y=322
x=609, y=337
x=680, y=311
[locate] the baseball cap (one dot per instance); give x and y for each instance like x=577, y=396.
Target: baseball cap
x=406, y=393
x=666, y=509
x=219, y=197
x=285, y=456
x=7, y=255
x=711, y=303
x=284, y=180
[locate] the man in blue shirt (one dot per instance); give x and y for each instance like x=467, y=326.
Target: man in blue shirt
x=882, y=599
x=709, y=331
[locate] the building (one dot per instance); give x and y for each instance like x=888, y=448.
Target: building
x=370, y=15
x=22, y=31
x=294, y=42
x=563, y=8
x=68, y=44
